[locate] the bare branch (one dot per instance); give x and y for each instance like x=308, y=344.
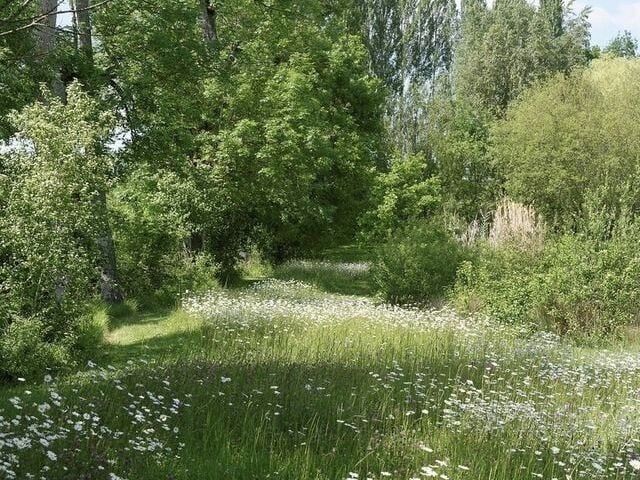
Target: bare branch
x=34, y=22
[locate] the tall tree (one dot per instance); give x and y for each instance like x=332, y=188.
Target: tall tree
x=623, y=45
x=82, y=23
x=45, y=33
x=411, y=46
x=553, y=11
x=505, y=49
x=108, y=275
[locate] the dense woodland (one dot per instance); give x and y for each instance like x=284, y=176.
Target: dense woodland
x=488, y=154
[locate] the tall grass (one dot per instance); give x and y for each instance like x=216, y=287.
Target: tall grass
x=283, y=380
x=516, y=224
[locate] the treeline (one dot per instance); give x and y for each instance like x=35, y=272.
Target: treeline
x=521, y=201
x=148, y=146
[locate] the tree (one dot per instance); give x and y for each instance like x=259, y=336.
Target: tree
x=411, y=46
x=623, y=45
x=571, y=138
x=52, y=213
x=553, y=12
x=268, y=136
x=507, y=48
x=83, y=31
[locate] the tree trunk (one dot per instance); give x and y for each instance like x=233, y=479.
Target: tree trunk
x=46, y=41
x=46, y=30
x=82, y=22
x=209, y=26
x=109, y=288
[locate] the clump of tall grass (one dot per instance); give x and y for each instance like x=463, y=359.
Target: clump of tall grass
x=518, y=225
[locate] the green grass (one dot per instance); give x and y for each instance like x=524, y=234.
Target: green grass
x=341, y=270
x=331, y=391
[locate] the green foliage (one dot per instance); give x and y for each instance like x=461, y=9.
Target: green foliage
x=127, y=309
x=149, y=237
x=270, y=139
x=308, y=150
x=20, y=69
x=571, y=136
x=407, y=193
x=17, y=86
x=575, y=285
x=52, y=216
x=624, y=45
x=459, y=140
x=588, y=288
x=254, y=265
x=506, y=48
x=497, y=282
x=417, y=265
x=90, y=333
x=26, y=349
x=402, y=46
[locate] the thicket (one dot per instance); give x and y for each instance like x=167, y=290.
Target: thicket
x=160, y=153
x=562, y=255
x=553, y=131
x=567, y=147
x=571, y=284
x=417, y=265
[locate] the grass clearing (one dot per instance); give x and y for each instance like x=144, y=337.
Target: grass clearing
x=283, y=379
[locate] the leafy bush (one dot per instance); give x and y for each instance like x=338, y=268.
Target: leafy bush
x=417, y=265
x=570, y=136
x=497, y=282
x=154, y=259
x=91, y=331
x=52, y=219
x=575, y=285
x=409, y=192
x=26, y=351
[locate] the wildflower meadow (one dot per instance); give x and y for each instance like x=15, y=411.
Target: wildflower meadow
x=282, y=379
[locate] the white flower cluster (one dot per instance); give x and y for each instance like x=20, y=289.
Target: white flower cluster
x=38, y=429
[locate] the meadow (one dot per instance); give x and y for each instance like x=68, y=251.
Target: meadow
x=288, y=378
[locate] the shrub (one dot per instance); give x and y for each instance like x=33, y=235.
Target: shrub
x=91, y=331
x=498, y=282
x=52, y=220
x=25, y=351
x=575, y=285
x=255, y=265
x=417, y=265
x=569, y=136
x=409, y=192
x=588, y=288
x=129, y=308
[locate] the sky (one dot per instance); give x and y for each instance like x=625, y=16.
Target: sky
x=608, y=17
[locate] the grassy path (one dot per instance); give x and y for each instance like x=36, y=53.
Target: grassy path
x=306, y=380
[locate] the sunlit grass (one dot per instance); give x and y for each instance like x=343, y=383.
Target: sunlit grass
x=284, y=380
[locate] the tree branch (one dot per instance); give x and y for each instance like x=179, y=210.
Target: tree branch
x=34, y=22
